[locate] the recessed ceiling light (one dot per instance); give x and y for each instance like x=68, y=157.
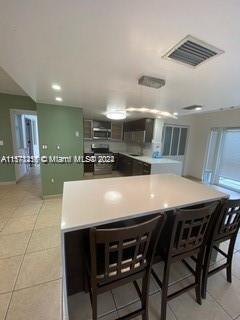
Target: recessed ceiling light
x=56, y=87
x=175, y=113
x=198, y=108
x=59, y=99
x=116, y=115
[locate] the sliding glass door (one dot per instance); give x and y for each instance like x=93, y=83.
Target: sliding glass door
x=222, y=164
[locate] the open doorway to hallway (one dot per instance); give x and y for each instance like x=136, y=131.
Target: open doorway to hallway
x=24, y=127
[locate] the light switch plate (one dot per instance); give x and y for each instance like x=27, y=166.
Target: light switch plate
x=1, y=143
x=77, y=133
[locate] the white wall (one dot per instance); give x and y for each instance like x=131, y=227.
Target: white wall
x=201, y=126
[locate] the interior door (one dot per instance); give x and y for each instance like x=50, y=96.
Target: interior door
x=29, y=138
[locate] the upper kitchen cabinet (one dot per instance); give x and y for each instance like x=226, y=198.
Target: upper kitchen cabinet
x=88, y=129
x=139, y=131
x=116, y=131
x=102, y=125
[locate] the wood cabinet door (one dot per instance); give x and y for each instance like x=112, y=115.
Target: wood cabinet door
x=117, y=131
x=87, y=129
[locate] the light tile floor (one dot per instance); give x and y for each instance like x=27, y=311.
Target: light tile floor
x=30, y=270
x=30, y=263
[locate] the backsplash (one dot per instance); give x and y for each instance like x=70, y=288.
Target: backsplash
x=114, y=146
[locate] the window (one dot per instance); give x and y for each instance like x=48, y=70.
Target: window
x=174, y=140
x=222, y=166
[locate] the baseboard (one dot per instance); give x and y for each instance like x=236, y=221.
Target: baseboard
x=52, y=196
x=5, y=183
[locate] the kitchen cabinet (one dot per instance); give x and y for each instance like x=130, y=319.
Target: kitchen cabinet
x=137, y=168
x=116, y=161
x=101, y=124
x=87, y=129
x=88, y=166
x=132, y=167
x=125, y=165
x=146, y=168
x=116, y=131
x=139, y=131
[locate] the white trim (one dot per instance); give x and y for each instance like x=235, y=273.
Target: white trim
x=6, y=183
x=52, y=196
x=13, y=131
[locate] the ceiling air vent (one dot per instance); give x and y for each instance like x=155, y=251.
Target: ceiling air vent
x=192, y=51
x=151, y=82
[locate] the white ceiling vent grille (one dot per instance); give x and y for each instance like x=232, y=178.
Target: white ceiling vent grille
x=192, y=51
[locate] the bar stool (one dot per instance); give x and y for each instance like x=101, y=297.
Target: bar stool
x=226, y=227
x=120, y=256
x=184, y=235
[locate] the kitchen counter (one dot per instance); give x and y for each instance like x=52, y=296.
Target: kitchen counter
x=151, y=160
x=89, y=203
x=161, y=165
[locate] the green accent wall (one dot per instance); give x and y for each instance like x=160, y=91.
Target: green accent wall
x=7, y=102
x=57, y=125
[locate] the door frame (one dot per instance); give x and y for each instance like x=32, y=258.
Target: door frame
x=14, y=112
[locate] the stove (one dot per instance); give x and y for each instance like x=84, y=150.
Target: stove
x=103, y=164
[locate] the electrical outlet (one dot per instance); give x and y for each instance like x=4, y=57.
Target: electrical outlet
x=77, y=133
x=52, y=180
x=1, y=143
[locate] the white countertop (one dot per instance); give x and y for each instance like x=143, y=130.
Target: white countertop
x=151, y=160
x=89, y=203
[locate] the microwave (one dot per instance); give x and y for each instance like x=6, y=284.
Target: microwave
x=101, y=133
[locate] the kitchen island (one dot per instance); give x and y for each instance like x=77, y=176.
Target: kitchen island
x=115, y=202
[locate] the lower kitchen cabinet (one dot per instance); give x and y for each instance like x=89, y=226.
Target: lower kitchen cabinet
x=146, y=168
x=88, y=166
x=125, y=165
x=131, y=167
x=116, y=160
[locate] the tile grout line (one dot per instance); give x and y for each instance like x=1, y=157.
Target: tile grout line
x=219, y=304
x=5, y=317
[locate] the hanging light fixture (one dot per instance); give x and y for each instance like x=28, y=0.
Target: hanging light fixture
x=116, y=114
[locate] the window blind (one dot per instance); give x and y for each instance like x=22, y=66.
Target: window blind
x=230, y=158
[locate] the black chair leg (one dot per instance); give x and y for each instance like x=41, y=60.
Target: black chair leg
x=94, y=306
x=198, y=278
x=165, y=291
x=206, y=266
x=145, y=297
x=229, y=259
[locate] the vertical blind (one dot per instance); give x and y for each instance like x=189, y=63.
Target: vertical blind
x=230, y=157
x=174, y=143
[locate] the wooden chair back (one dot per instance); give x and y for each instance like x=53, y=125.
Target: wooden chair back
x=228, y=222
x=121, y=252
x=190, y=227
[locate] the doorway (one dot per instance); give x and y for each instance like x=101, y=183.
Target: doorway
x=25, y=142
x=222, y=163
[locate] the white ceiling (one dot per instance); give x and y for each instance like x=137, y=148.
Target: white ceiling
x=8, y=85
x=96, y=50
